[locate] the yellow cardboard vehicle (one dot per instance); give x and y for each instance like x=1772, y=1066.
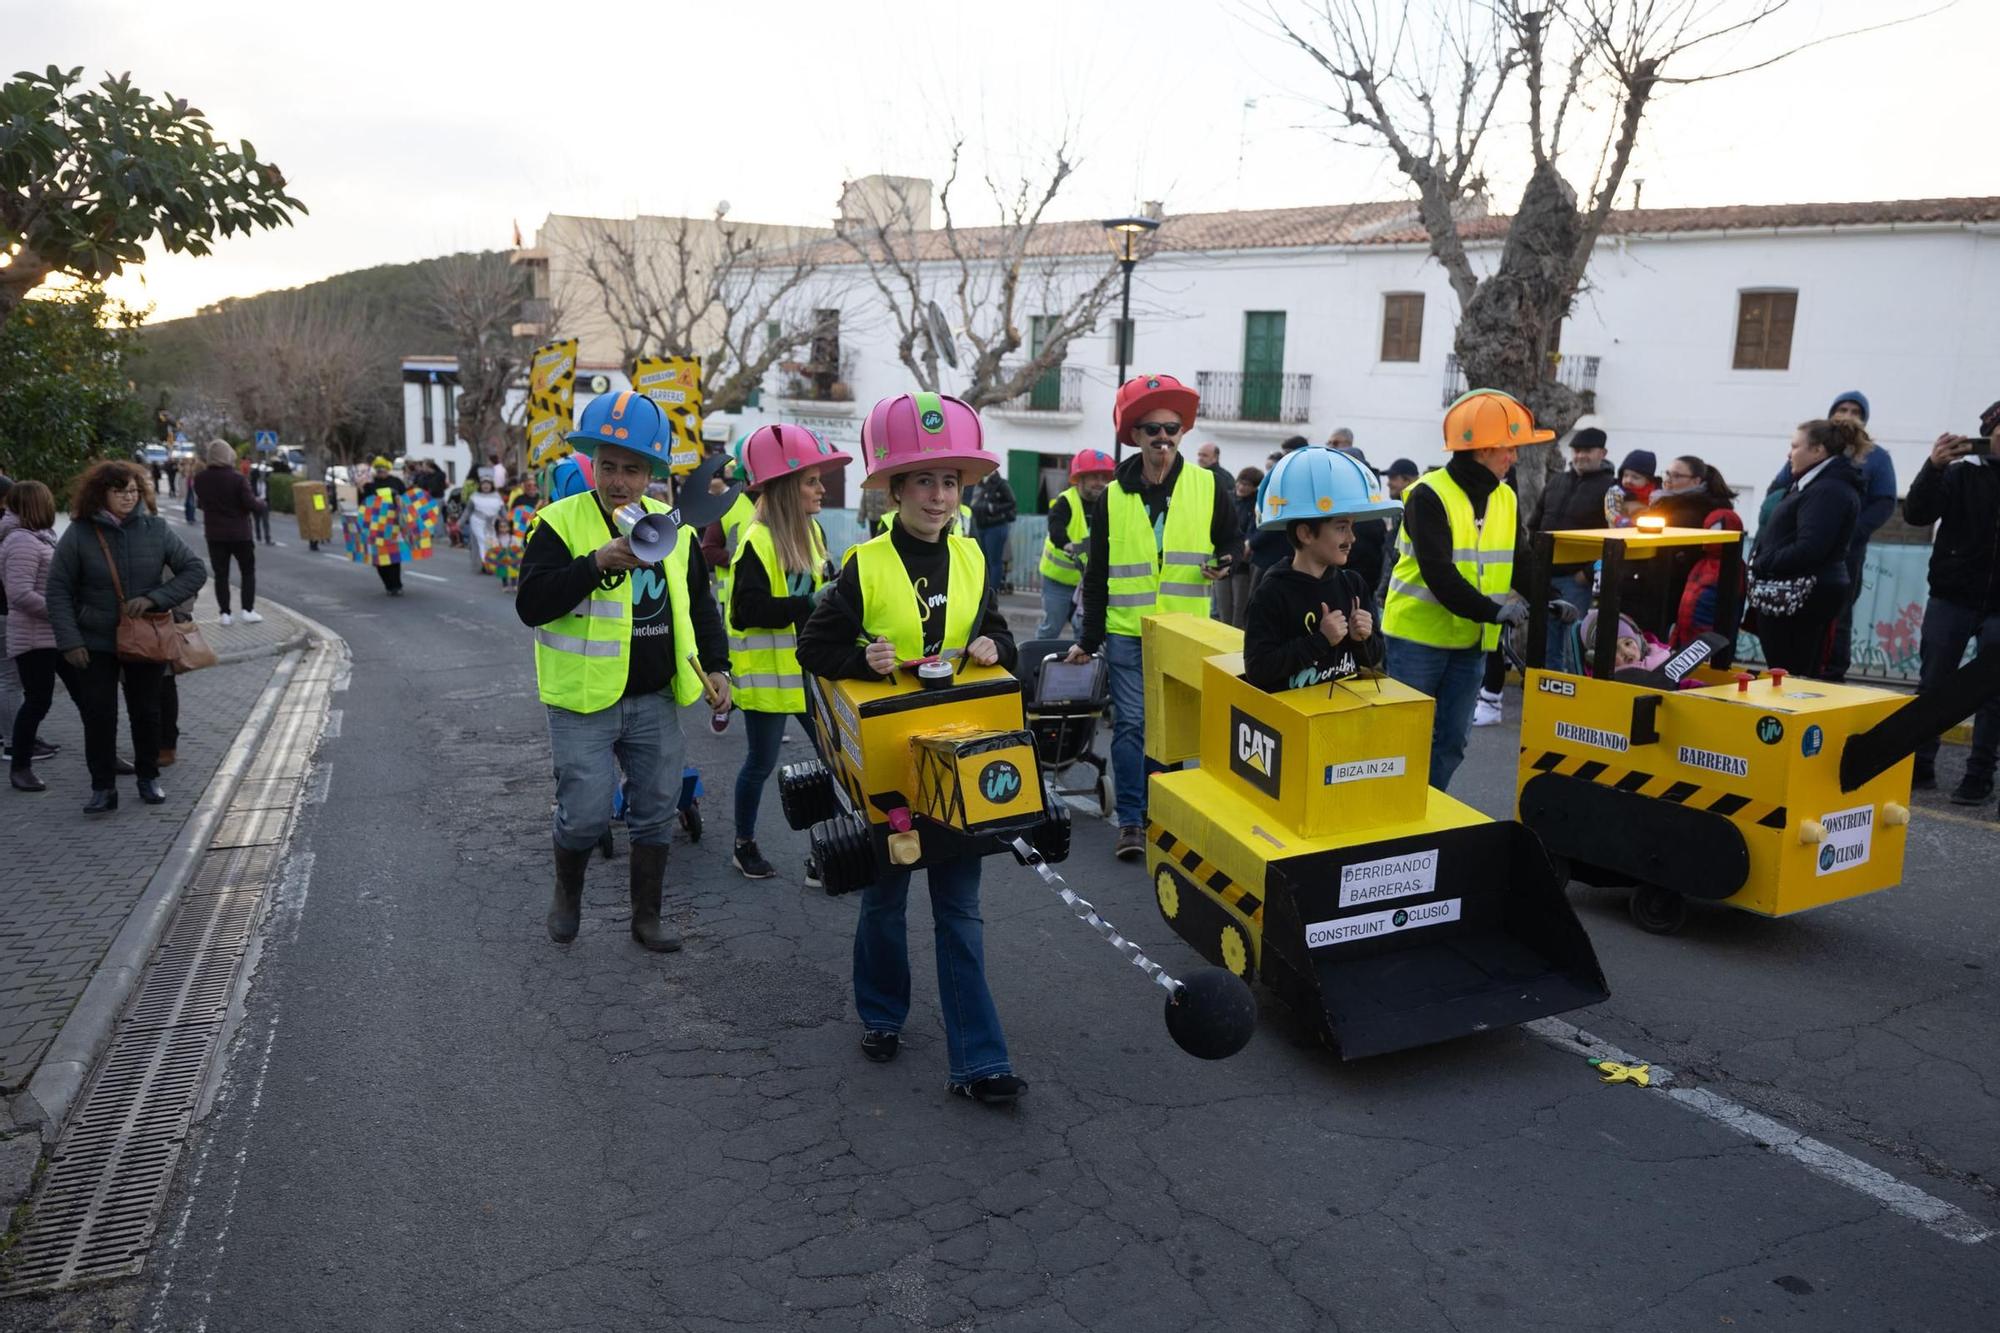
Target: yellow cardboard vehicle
x=1767, y=792
x=936, y=764
x=1310, y=852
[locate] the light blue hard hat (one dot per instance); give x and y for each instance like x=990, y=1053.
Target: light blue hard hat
x=1316, y=482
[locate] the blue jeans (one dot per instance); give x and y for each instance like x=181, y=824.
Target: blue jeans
x=1567, y=589
x=1948, y=627
x=1128, y=733
x=1058, y=601
x=766, y=732
x=1451, y=676
x=993, y=545
x=975, y=1045
x=641, y=734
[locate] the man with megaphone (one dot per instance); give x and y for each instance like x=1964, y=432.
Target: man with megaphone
x=626, y=633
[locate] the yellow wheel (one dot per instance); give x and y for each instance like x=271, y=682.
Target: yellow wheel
x=1169, y=892
x=1235, y=951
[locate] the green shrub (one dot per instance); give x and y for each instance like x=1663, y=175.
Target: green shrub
x=280, y=492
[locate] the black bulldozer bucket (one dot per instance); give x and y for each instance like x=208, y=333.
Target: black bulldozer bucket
x=1414, y=940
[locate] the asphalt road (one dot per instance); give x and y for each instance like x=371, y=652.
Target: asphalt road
x=433, y=1118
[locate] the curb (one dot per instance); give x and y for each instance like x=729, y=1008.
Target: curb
x=65, y=1067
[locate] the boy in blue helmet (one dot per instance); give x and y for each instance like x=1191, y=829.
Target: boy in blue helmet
x=1311, y=619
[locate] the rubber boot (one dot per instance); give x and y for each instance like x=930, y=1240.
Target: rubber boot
x=567, y=905
x=649, y=873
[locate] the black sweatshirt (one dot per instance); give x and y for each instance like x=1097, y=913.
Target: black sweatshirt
x=1429, y=529
x=554, y=583
x=834, y=645
x=1282, y=646
x=753, y=605
x=1059, y=520
x=1131, y=475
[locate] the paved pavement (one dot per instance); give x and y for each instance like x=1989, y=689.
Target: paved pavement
x=72, y=881
x=433, y=1118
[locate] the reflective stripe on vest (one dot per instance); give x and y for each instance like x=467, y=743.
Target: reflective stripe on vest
x=1482, y=551
x=1058, y=565
x=765, y=660
x=582, y=659
x=1147, y=575
x=890, y=608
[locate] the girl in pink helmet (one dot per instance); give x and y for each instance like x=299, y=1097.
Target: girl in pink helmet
x=919, y=590
x=780, y=564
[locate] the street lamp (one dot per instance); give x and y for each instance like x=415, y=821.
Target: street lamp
x=1127, y=236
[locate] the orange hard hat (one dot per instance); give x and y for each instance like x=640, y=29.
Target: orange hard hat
x=1490, y=419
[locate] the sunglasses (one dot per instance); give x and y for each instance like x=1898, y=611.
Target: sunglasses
x=1155, y=429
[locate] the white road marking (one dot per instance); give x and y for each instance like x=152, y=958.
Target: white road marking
x=332, y=731
x=1822, y=1159
x=434, y=578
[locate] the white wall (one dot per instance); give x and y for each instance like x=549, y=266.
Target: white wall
x=445, y=448
x=1909, y=316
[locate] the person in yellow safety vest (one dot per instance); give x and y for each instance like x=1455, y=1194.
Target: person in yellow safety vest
x=919, y=590
x=781, y=563
x=621, y=644
x=1459, y=556
x=1162, y=533
x=1069, y=536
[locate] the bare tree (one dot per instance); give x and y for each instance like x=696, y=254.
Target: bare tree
x=678, y=287
x=1429, y=93
x=982, y=277
x=303, y=366
x=476, y=298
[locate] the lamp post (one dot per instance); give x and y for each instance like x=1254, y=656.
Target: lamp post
x=1127, y=236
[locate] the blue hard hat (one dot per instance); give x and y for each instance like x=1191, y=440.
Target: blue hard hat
x=629, y=420
x=567, y=478
x=1315, y=483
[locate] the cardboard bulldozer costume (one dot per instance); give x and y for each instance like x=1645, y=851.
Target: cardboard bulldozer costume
x=1310, y=852
x=312, y=506
x=1767, y=792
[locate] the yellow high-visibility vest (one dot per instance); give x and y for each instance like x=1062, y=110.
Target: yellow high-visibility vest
x=1483, y=551
x=894, y=608
x=1151, y=574
x=1058, y=565
x=733, y=522
x=765, y=659
x=582, y=659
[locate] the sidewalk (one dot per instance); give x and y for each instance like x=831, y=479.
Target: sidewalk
x=71, y=882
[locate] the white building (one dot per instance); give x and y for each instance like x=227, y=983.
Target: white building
x=430, y=414
x=1710, y=331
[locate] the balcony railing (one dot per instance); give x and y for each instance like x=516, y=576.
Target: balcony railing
x=1276, y=396
x=816, y=381
x=1575, y=373
x=1057, y=389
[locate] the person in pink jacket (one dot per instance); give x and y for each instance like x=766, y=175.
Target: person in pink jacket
x=27, y=544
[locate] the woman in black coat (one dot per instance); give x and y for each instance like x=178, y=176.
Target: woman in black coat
x=1808, y=534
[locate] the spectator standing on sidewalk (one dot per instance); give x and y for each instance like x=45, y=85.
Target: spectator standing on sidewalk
x=993, y=514
x=1959, y=490
x=227, y=501
x=1807, y=536
x=1574, y=499
x=27, y=644
x=621, y=646
x=1232, y=591
x=260, y=517
x=113, y=547
x=10, y=683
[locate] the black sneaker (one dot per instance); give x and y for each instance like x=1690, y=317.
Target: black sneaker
x=1131, y=843
x=1923, y=777
x=751, y=861
x=812, y=873
x=995, y=1090
x=881, y=1047
x=1972, y=791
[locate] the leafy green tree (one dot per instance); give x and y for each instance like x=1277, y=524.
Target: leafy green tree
x=89, y=175
x=65, y=395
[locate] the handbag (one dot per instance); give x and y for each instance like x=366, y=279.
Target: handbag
x=153, y=637
x=195, y=652
x=1782, y=597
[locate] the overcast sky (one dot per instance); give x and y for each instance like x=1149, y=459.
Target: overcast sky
x=418, y=129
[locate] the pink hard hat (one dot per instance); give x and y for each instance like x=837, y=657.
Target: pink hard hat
x=1088, y=461
x=779, y=450
x=913, y=431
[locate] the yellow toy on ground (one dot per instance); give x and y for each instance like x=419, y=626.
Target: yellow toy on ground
x=1767, y=792
x=1310, y=852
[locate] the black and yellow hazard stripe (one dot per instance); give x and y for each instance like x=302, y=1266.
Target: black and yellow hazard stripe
x=1226, y=890
x=1730, y=805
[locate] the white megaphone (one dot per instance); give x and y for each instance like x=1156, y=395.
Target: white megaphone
x=652, y=535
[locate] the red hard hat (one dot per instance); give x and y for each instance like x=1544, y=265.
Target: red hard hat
x=1088, y=461
x=1144, y=393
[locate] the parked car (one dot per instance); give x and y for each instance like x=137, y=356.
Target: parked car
x=152, y=455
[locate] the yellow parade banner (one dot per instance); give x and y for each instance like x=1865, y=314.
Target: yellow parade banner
x=674, y=382
x=551, y=396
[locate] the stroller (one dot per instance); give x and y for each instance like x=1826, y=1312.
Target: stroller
x=1063, y=703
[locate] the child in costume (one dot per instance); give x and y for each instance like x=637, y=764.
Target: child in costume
x=506, y=552
x=1312, y=620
